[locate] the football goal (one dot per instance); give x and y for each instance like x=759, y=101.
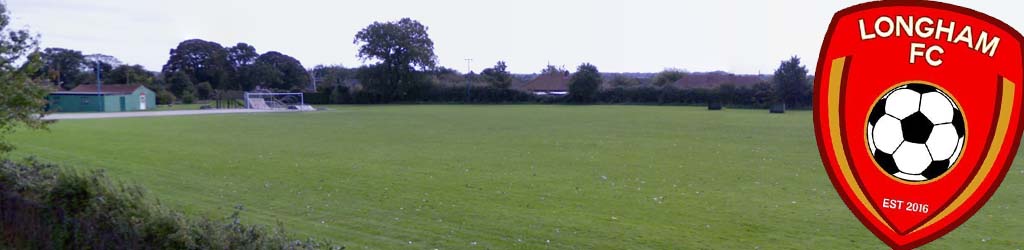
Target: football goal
x=276, y=101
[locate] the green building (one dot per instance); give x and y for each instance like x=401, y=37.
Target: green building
x=112, y=98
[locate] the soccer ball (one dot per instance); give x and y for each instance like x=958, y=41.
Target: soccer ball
x=915, y=132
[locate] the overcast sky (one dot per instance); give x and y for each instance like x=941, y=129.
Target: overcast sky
x=616, y=36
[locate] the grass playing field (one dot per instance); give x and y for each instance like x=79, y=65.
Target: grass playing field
x=503, y=177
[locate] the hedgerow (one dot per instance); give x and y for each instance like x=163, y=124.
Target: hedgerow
x=43, y=206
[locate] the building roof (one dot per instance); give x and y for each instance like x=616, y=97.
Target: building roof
x=548, y=82
x=107, y=89
x=711, y=80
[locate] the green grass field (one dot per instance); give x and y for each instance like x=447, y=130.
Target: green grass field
x=503, y=177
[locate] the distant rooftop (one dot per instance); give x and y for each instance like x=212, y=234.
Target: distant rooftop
x=548, y=82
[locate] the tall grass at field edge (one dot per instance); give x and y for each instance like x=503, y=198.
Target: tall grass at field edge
x=43, y=206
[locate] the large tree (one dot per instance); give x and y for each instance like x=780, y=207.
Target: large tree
x=331, y=75
x=279, y=71
x=791, y=84
x=257, y=75
x=21, y=99
x=584, y=83
x=130, y=74
x=498, y=76
x=62, y=67
x=103, y=59
x=242, y=54
x=101, y=64
x=202, y=61
x=180, y=84
x=401, y=47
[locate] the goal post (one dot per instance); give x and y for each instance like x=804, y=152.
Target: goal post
x=275, y=101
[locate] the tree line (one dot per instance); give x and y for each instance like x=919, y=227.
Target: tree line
x=196, y=69
x=586, y=86
x=400, y=67
x=404, y=69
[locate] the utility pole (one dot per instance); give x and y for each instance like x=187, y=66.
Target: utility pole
x=60, y=77
x=99, y=81
x=99, y=87
x=468, y=70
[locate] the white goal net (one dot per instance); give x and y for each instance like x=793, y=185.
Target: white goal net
x=276, y=101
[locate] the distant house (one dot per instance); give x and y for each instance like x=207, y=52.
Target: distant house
x=548, y=84
x=112, y=98
x=711, y=80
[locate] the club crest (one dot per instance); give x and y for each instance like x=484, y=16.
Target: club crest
x=917, y=112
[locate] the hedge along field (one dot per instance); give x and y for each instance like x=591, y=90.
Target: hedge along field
x=503, y=177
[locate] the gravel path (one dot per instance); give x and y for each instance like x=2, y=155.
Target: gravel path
x=75, y=116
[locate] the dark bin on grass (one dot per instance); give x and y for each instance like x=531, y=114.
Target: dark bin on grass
x=778, y=108
x=714, y=106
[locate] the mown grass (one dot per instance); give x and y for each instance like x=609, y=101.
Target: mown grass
x=503, y=177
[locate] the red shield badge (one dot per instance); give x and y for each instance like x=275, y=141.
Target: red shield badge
x=917, y=113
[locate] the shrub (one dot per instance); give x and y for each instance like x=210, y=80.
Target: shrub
x=319, y=97
x=46, y=207
x=340, y=94
x=204, y=90
x=188, y=97
x=585, y=83
x=164, y=97
x=727, y=95
x=477, y=94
